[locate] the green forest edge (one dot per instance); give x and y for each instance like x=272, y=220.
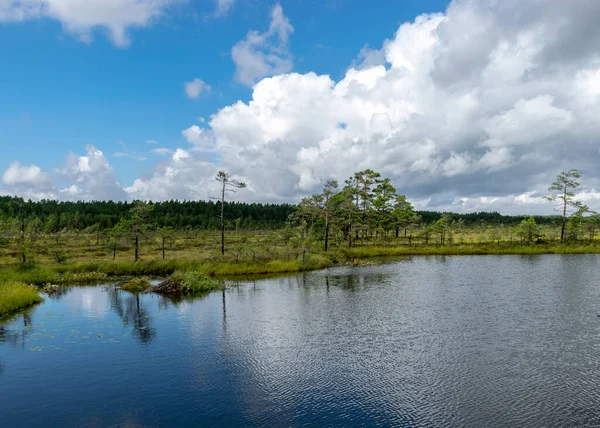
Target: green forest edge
x=364, y=219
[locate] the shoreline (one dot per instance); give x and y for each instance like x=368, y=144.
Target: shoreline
x=16, y=280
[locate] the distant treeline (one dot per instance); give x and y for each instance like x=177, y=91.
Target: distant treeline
x=491, y=218
x=59, y=215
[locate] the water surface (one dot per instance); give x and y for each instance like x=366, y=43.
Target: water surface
x=425, y=341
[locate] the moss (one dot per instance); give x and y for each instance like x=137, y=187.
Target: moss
x=16, y=295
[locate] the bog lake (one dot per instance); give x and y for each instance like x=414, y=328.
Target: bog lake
x=461, y=341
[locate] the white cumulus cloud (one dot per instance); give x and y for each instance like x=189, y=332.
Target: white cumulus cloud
x=20, y=175
x=477, y=108
x=82, y=17
x=200, y=138
x=264, y=54
x=93, y=175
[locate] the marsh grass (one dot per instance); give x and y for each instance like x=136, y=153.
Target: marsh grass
x=16, y=295
x=196, y=271
x=136, y=285
x=191, y=282
x=470, y=249
x=267, y=261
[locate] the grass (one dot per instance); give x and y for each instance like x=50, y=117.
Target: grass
x=195, y=262
x=136, y=285
x=191, y=282
x=41, y=275
x=16, y=295
x=91, y=271
x=471, y=249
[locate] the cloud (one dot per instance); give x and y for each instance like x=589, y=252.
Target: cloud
x=194, y=88
x=477, y=108
x=178, y=177
x=527, y=122
x=92, y=175
x=129, y=155
x=153, y=142
x=368, y=57
x=81, y=18
x=201, y=139
x=264, y=54
x=162, y=151
x=18, y=175
x=224, y=7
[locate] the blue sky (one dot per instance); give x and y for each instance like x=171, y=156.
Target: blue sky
x=59, y=93
x=469, y=105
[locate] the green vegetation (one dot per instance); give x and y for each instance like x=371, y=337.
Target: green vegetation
x=101, y=216
x=194, y=282
x=41, y=275
x=57, y=243
x=16, y=295
x=136, y=285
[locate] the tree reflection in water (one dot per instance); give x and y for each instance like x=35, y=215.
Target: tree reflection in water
x=132, y=312
x=16, y=336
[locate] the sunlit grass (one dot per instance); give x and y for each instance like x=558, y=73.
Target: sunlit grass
x=248, y=253
x=16, y=295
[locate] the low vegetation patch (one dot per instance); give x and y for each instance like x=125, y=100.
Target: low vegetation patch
x=81, y=277
x=90, y=272
x=16, y=295
x=136, y=285
x=187, y=282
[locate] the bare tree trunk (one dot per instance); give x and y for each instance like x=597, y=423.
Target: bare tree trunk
x=223, y=220
x=564, y=221
x=23, y=250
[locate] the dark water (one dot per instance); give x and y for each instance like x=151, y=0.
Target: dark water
x=440, y=342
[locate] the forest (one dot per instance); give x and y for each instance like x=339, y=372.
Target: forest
x=56, y=216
